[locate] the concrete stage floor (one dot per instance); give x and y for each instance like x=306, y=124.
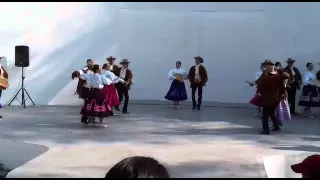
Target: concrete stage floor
x=213, y=142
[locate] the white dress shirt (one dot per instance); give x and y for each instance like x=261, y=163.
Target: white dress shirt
x=293, y=73
x=177, y=71
x=197, y=75
x=123, y=72
x=308, y=77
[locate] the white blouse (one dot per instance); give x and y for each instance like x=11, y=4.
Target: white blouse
x=308, y=77
x=96, y=80
x=87, y=84
x=110, y=75
x=177, y=71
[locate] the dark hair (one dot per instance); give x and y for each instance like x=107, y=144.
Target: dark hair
x=277, y=64
x=95, y=68
x=104, y=66
x=138, y=167
x=89, y=60
x=178, y=62
x=75, y=74
x=308, y=64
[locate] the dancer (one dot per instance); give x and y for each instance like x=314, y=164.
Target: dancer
x=198, y=78
x=278, y=65
x=258, y=75
x=3, y=74
x=96, y=105
x=110, y=90
x=269, y=88
x=125, y=74
x=177, y=91
x=293, y=84
x=83, y=87
x=113, y=67
x=310, y=94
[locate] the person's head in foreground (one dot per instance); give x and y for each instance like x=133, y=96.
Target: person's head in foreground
x=309, y=167
x=138, y=167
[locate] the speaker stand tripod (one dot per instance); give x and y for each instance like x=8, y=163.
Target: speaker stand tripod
x=23, y=90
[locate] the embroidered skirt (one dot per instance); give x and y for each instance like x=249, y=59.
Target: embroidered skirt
x=309, y=97
x=177, y=91
x=96, y=105
x=111, y=95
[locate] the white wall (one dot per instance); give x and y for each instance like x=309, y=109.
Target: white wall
x=233, y=38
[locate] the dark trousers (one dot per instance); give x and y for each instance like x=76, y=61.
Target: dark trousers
x=292, y=98
x=123, y=91
x=194, y=88
x=269, y=112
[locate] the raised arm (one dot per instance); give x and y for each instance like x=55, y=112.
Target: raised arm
x=83, y=75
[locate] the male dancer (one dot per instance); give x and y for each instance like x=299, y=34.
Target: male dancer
x=198, y=78
x=4, y=74
x=111, y=63
x=293, y=84
x=83, y=87
x=123, y=89
x=270, y=88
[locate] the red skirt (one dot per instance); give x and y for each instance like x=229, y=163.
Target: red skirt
x=111, y=95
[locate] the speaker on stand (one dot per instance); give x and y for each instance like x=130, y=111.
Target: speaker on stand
x=22, y=60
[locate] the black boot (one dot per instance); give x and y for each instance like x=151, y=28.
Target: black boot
x=117, y=108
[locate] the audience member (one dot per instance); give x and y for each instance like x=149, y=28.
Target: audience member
x=138, y=167
x=309, y=167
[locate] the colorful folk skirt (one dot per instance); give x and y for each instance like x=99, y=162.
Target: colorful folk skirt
x=309, y=97
x=283, y=111
x=111, y=95
x=96, y=105
x=256, y=101
x=177, y=91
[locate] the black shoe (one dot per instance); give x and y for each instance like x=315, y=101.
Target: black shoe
x=276, y=129
x=125, y=112
x=198, y=108
x=117, y=108
x=0, y=116
x=193, y=107
x=84, y=119
x=265, y=132
x=294, y=114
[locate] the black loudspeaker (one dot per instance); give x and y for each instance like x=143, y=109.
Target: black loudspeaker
x=22, y=56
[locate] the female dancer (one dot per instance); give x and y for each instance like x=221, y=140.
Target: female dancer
x=309, y=95
x=96, y=105
x=110, y=91
x=258, y=75
x=177, y=91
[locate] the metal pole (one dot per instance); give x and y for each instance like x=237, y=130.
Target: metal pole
x=22, y=93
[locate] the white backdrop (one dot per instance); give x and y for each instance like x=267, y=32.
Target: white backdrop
x=233, y=38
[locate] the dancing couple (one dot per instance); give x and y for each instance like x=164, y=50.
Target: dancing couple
x=198, y=78
x=100, y=95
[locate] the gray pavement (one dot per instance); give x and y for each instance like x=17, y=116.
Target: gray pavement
x=213, y=142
